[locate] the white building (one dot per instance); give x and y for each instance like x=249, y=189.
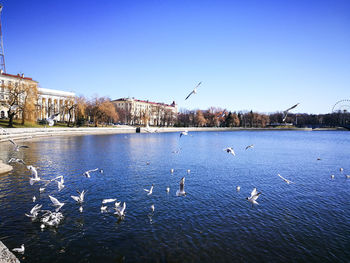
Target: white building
x=142, y=112
x=49, y=101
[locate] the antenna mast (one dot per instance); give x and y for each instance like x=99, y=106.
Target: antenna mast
x=2, y=55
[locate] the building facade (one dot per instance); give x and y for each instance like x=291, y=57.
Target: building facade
x=141, y=112
x=47, y=101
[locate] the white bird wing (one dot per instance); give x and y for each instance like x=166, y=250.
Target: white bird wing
x=105, y=201
x=55, y=201
x=123, y=208
x=189, y=94
x=294, y=106
x=253, y=193
x=15, y=144
x=146, y=190
x=76, y=198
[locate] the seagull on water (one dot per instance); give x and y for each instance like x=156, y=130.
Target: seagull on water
x=57, y=203
x=286, y=180
x=80, y=198
x=194, y=91
x=172, y=170
x=238, y=188
x=16, y=146
x=152, y=208
x=230, y=150
x=19, y=250
x=347, y=176
x=87, y=173
x=188, y=171
x=287, y=110
x=121, y=211
x=34, y=211
x=341, y=170
x=332, y=176
x=168, y=189
x=34, y=199
x=181, y=191
x=150, y=190
x=41, y=189
x=249, y=146
x=253, y=196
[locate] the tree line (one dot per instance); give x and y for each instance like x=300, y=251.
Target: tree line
x=218, y=117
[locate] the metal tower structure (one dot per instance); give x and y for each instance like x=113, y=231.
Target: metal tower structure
x=2, y=55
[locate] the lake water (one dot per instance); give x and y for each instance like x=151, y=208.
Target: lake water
x=305, y=221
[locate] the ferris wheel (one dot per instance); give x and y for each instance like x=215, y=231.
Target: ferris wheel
x=342, y=106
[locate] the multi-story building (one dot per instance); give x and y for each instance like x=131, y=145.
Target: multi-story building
x=143, y=112
x=47, y=102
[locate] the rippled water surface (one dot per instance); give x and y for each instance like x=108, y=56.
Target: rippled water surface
x=305, y=221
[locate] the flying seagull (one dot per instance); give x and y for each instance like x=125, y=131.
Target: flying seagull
x=150, y=190
x=288, y=110
x=51, y=119
x=34, y=172
x=230, y=150
x=34, y=211
x=194, y=91
x=183, y=133
x=80, y=198
x=152, y=208
x=249, y=146
x=55, y=202
x=19, y=250
x=181, y=191
x=16, y=146
x=120, y=211
x=15, y=160
x=87, y=173
x=286, y=180
x=253, y=196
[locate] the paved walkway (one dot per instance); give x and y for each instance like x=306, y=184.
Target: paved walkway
x=5, y=168
x=6, y=256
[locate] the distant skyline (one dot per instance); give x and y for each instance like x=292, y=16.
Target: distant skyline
x=255, y=55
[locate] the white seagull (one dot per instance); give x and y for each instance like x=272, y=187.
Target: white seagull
x=287, y=110
x=238, y=188
x=168, y=189
x=183, y=133
x=19, y=250
x=194, y=91
x=121, y=211
x=152, y=208
x=16, y=146
x=230, y=150
x=181, y=191
x=87, y=173
x=150, y=191
x=15, y=160
x=34, y=199
x=253, y=196
x=286, y=180
x=103, y=208
x=34, y=172
x=80, y=198
x=51, y=119
x=34, y=211
x=57, y=203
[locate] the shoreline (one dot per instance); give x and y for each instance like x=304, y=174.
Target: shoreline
x=31, y=133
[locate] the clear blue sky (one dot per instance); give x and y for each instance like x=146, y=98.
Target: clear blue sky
x=250, y=55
